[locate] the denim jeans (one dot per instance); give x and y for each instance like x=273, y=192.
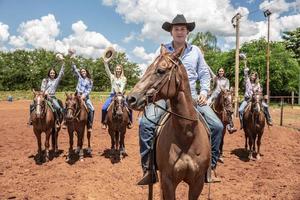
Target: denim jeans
x=147, y=130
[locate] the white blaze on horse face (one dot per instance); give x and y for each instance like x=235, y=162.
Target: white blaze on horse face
x=38, y=105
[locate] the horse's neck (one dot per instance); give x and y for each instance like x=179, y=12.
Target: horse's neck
x=218, y=104
x=182, y=104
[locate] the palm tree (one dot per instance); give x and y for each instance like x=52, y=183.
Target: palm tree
x=205, y=41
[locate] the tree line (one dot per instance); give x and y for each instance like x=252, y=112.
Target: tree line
x=24, y=70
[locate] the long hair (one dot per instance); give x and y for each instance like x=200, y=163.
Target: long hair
x=224, y=75
x=256, y=81
x=48, y=74
x=122, y=73
x=87, y=73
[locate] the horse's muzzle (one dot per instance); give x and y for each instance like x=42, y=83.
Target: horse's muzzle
x=136, y=102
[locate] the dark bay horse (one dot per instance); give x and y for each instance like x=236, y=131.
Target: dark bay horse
x=182, y=149
x=76, y=120
x=223, y=108
x=117, y=119
x=254, y=124
x=43, y=120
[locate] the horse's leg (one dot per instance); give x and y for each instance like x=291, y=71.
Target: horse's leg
x=195, y=188
x=258, y=145
x=80, y=139
x=251, y=147
x=89, y=149
x=246, y=140
x=221, y=159
x=122, y=144
x=71, y=136
x=39, y=143
x=167, y=187
x=117, y=140
x=47, y=144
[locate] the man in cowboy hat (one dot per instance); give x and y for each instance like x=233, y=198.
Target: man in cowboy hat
x=197, y=69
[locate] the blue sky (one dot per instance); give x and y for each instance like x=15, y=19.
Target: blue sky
x=90, y=26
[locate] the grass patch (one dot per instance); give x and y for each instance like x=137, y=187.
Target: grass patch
x=28, y=95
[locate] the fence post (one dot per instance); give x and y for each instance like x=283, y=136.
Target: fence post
x=281, y=111
x=293, y=96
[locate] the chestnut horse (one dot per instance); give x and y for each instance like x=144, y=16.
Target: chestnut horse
x=254, y=124
x=43, y=120
x=117, y=119
x=182, y=148
x=76, y=120
x=222, y=106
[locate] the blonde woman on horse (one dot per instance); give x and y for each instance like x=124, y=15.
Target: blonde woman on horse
x=49, y=86
x=197, y=69
x=118, y=84
x=220, y=82
x=84, y=88
x=252, y=86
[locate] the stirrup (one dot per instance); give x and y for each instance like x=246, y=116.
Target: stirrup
x=104, y=126
x=129, y=125
x=150, y=177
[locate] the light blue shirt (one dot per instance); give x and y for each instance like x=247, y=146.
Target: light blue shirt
x=84, y=85
x=196, y=68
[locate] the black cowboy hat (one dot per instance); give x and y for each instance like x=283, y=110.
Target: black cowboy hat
x=179, y=19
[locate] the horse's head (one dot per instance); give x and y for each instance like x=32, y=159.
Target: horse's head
x=118, y=105
x=227, y=100
x=160, y=81
x=256, y=101
x=72, y=105
x=39, y=101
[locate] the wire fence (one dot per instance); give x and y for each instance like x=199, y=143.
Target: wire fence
x=285, y=111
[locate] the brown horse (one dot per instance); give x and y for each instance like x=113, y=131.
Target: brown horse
x=117, y=119
x=43, y=120
x=222, y=106
x=254, y=124
x=182, y=149
x=76, y=120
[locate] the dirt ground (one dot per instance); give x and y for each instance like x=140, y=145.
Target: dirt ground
x=275, y=176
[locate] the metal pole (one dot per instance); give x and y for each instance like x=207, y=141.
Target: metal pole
x=237, y=52
x=281, y=111
x=268, y=61
x=293, y=96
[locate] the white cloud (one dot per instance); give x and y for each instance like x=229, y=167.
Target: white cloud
x=145, y=58
x=140, y=52
x=129, y=38
x=4, y=34
x=17, y=41
x=40, y=33
x=43, y=33
x=214, y=16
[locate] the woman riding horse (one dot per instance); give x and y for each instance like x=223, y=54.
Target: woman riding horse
x=84, y=88
x=49, y=86
x=118, y=83
x=252, y=86
x=220, y=82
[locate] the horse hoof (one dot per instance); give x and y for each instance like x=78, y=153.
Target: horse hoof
x=81, y=159
x=258, y=157
x=77, y=150
x=89, y=151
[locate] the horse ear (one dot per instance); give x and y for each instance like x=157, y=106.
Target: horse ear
x=124, y=93
x=163, y=49
x=33, y=91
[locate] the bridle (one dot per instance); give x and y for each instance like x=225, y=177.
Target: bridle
x=42, y=105
x=160, y=84
x=119, y=104
x=75, y=111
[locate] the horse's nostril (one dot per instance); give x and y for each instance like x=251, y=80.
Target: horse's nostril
x=131, y=100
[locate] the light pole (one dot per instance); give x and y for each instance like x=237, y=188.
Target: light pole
x=236, y=24
x=267, y=14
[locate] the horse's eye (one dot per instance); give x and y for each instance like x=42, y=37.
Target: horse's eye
x=160, y=71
